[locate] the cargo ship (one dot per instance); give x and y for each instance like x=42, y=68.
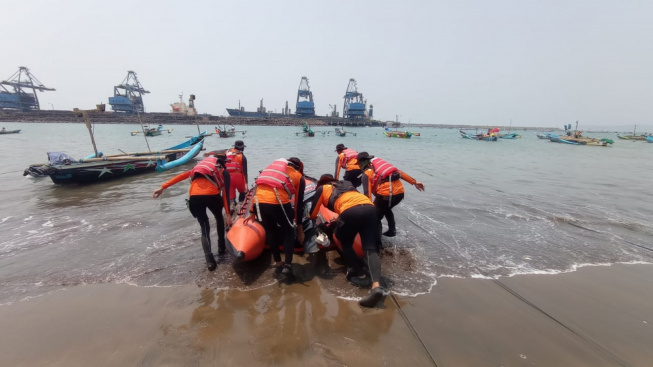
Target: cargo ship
x=260, y=112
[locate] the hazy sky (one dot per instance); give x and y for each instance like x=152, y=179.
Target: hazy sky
x=539, y=63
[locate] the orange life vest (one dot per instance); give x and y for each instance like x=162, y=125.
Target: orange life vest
x=382, y=171
x=208, y=168
x=349, y=154
x=339, y=188
x=234, y=161
x=275, y=176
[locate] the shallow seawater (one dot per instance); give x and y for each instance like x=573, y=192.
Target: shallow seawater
x=490, y=209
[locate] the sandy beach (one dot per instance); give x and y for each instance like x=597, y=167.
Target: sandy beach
x=596, y=316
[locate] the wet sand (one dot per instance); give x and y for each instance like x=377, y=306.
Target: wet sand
x=597, y=316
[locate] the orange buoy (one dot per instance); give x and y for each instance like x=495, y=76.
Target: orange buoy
x=246, y=241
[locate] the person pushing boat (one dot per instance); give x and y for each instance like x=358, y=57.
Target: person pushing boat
x=347, y=160
x=237, y=168
x=209, y=187
x=278, y=184
x=356, y=216
x=383, y=180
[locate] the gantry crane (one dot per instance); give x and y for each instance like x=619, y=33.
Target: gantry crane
x=354, y=103
x=130, y=100
x=21, y=98
x=305, y=106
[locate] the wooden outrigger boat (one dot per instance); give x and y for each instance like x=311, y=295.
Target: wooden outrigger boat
x=154, y=131
x=579, y=140
x=340, y=131
x=575, y=137
x=485, y=137
x=225, y=132
x=397, y=134
x=308, y=132
x=63, y=169
x=634, y=136
x=3, y=131
x=509, y=136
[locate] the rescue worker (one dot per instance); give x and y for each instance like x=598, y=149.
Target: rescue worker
x=209, y=185
x=356, y=215
x=383, y=180
x=278, y=184
x=347, y=160
x=237, y=167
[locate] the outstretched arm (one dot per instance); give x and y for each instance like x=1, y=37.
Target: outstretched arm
x=418, y=185
x=180, y=177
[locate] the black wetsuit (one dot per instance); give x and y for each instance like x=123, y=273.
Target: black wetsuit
x=278, y=227
x=197, y=204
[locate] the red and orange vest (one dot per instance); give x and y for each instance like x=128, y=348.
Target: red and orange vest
x=275, y=176
x=382, y=171
x=208, y=168
x=349, y=154
x=234, y=161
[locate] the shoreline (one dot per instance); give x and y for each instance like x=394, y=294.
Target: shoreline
x=96, y=117
x=595, y=316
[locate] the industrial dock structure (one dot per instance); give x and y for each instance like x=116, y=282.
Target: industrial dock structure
x=18, y=95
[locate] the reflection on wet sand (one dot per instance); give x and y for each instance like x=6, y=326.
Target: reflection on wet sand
x=281, y=324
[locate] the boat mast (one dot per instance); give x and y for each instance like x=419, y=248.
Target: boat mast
x=90, y=130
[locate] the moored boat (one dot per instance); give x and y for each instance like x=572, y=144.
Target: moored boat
x=3, y=131
x=63, y=169
x=631, y=137
x=509, y=136
x=484, y=137
x=225, y=132
x=580, y=140
x=397, y=134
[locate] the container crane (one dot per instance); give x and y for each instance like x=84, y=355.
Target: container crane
x=21, y=98
x=130, y=100
x=354, y=107
x=305, y=106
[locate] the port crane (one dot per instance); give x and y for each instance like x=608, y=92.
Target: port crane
x=305, y=106
x=128, y=96
x=354, y=107
x=21, y=98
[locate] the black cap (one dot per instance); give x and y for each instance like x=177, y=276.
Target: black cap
x=297, y=164
x=364, y=156
x=363, y=159
x=325, y=179
x=340, y=147
x=221, y=156
x=239, y=145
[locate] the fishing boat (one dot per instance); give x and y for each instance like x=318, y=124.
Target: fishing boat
x=3, y=131
x=509, y=136
x=154, y=131
x=575, y=137
x=649, y=138
x=634, y=136
x=484, y=137
x=226, y=132
x=543, y=135
x=581, y=140
x=340, y=131
x=307, y=131
x=63, y=169
x=397, y=134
